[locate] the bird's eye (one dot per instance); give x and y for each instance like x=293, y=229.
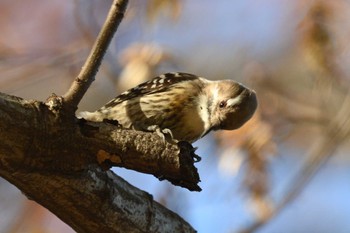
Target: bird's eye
x=222, y=104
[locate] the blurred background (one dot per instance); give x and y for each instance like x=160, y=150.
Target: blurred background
x=287, y=170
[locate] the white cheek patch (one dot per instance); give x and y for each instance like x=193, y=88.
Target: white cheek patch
x=204, y=112
x=234, y=101
x=215, y=93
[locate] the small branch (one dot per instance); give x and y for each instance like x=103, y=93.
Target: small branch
x=88, y=72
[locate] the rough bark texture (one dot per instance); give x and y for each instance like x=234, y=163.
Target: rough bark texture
x=58, y=161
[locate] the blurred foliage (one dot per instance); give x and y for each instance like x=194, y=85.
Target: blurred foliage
x=172, y=8
x=140, y=63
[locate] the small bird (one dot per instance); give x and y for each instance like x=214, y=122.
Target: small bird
x=180, y=104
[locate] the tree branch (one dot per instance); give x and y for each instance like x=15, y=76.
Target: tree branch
x=88, y=72
x=97, y=201
x=95, y=143
x=54, y=161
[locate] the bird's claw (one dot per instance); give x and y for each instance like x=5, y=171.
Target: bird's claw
x=161, y=132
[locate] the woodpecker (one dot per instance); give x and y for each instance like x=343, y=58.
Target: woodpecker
x=180, y=104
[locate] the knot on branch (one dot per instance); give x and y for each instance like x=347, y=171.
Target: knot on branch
x=54, y=103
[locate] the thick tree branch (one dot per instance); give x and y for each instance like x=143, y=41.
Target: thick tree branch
x=97, y=201
x=45, y=137
x=54, y=161
x=88, y=72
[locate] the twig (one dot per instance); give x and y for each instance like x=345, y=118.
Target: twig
x=87, y=74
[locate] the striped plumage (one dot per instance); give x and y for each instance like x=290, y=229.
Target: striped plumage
x=187, y=105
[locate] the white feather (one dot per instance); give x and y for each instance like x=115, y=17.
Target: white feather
x=234, y=101
x=204, y=112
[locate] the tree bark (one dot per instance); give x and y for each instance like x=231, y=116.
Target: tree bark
x=56, y=161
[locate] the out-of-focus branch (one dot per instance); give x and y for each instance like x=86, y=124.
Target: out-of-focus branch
x=87, y=75
x=336, y=133
x=331, y=108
